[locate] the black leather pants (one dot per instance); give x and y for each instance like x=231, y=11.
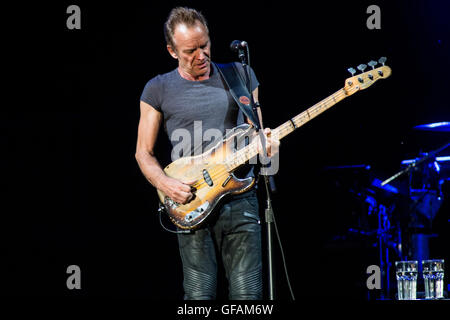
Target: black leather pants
x=235, y=235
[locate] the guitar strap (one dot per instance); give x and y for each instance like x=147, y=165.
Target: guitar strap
x=238, y=89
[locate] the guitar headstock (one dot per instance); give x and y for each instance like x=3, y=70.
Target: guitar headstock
x=366, y=79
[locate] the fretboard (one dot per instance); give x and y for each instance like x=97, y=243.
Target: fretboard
x=309, y=114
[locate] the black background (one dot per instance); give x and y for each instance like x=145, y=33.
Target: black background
x=75, y=195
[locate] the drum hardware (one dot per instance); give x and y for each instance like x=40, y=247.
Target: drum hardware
x=415, y=164
x=376, y=221
x=437, y=127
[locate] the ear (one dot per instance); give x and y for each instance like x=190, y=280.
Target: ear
x=172, y=51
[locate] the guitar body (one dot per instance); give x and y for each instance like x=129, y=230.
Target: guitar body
x=214, y=180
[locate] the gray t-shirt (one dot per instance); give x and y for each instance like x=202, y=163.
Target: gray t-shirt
x=194, y=112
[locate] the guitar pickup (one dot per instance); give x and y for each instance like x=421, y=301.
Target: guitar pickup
x=207, y=177
x=226, y=181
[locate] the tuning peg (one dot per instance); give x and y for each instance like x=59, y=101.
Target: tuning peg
x=372, y=63
x=352, y=71
x=382, y=60
x=362, y=67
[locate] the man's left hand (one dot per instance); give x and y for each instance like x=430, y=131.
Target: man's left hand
x=272, y=144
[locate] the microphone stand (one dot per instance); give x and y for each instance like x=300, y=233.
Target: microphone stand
x=268, y=180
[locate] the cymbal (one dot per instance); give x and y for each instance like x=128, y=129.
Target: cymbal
x=436, y=126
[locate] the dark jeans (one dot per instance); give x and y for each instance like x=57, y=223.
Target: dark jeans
x=235, y=236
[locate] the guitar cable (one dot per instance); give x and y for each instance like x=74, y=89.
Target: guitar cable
x=160, y=211
x=283, y=257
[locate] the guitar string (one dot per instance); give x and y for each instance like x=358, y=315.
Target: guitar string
x=223, y=172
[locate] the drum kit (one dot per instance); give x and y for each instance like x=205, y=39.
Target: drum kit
x=398, y=212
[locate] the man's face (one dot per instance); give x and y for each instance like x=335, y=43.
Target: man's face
x=192, y=49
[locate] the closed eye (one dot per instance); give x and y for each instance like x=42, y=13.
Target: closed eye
x=190, y=51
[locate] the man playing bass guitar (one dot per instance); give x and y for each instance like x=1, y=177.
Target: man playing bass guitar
x=193, y=97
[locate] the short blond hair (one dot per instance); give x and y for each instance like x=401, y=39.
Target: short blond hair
x=182, y=15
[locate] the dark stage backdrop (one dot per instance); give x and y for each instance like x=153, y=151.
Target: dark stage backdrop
x=74, y=194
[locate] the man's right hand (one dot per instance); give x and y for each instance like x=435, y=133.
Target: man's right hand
x=177, y=190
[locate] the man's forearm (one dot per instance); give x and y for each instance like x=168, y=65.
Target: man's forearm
x=150, y=168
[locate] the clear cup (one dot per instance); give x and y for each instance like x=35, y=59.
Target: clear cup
x=433, y=277
x=406, y=274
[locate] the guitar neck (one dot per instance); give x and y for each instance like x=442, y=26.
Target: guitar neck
x=309, y=114
x=245, y=154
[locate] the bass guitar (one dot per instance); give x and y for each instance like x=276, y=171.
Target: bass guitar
x=213, y=171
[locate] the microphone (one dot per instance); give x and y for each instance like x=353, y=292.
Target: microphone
x=238, y=45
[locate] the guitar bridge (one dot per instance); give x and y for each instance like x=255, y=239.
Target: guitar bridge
x=197, y=212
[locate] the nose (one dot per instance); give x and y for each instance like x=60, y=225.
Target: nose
x=201, y=55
